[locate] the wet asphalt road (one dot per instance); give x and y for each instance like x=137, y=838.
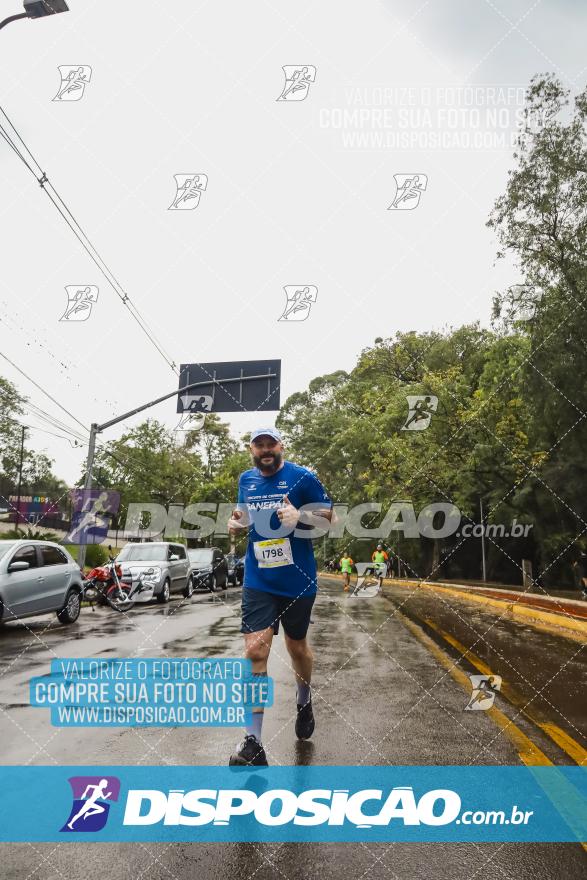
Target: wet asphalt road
x=381, y=696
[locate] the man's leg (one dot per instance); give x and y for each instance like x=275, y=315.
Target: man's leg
x=296, y=621
x=260, y=620
x=302, y=661
x=257, y=648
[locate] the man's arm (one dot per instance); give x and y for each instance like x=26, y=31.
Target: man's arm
x=328, y=513
x=239, y=519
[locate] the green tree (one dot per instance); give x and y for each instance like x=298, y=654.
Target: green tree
x=37, y=468
x=541, y=221
x=147, y=465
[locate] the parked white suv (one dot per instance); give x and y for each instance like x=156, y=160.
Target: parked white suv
x=172, y=573
x=37, y=577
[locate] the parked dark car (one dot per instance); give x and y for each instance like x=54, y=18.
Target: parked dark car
x=209, y=569
x=236, y=569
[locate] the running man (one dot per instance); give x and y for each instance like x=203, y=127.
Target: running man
x=411, y=189
x=190, y=189
x=75, y=80
x=82, y=301
x=346, y=566
x=380, y=558
x=280, y=572
x=301, y=300
x=420, y=412
x=90, y=807
x=94, y=514
x=300, y=79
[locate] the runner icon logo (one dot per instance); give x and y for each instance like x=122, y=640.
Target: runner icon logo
x=92, y=511
x=421, y=408
x=80, y=299
x=485, y=688
x=299, y=302
x=196, y=403
x=74, y=79
x=297, y=82
x=188, y=189
x=90, y=808
x=409, y=189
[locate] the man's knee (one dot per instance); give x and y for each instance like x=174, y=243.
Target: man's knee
x=257, y=647
x=298, y=648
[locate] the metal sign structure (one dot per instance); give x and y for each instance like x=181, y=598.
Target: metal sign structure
x=230, y=386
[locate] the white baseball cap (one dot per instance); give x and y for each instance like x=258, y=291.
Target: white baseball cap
x=266, y=432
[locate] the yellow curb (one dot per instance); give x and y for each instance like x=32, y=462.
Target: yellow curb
x=573, y=628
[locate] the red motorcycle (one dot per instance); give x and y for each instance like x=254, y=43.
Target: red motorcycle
x=102, y=580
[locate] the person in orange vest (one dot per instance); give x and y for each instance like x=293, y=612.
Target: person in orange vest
x=380, y=558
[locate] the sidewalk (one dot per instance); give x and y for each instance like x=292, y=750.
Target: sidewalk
x=558, y=611
x=549, y=610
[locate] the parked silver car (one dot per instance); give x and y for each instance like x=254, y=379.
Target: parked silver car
x=37, y=577
x=172, y=573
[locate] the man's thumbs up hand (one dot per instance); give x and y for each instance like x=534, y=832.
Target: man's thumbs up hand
x=288, y=514
x=237, y=522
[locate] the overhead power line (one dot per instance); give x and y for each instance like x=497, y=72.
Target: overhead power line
x=76, y=228
x=53, y=422
x=46, y=393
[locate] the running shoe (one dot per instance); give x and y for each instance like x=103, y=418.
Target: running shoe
x=250, y=751
x=305, y=721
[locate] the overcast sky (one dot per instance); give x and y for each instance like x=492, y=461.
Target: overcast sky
x=298, y=192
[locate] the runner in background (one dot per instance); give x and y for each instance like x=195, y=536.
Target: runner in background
x=346, y=566
x=380, y=558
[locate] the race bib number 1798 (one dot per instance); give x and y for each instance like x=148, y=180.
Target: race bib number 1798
x=273, y=553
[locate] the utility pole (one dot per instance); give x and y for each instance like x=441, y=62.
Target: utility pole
x=18, y=491
x=81, y=557
x=482, y=540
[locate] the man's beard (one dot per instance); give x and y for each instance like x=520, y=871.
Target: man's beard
x=267, y=468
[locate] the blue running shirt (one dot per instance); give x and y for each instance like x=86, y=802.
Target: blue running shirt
x=277, y=560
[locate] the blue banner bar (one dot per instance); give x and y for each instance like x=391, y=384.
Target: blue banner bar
x=215, y=804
